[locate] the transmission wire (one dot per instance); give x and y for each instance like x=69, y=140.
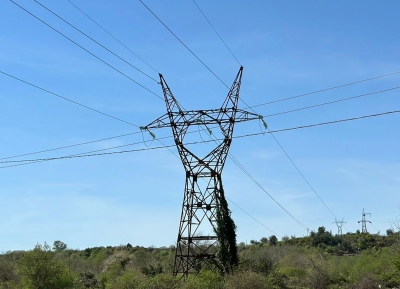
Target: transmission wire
x=240, y=136
x=327, y=89
x=112, y=35
x=69, y=146
x=265, y=191
x=220, y=81
x=215, y=31
x=275, y=140
x=77, y=29
x=214, y=139
x=201, y=62
x=67, y=99
x=182, y=43
x=236, y=205
x=109, y=65
x=270, y=115
x=332, y=102
x=117, y=71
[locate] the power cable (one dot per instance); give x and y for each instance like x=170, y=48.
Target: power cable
x=69, y=146
x=164, y=146
x=240, y=166
x=275, y=140
x=106, y=63
x=207, y=67
x=236, y=205
x=270, y=115
x=332, y=102
x=275, y=101
x=296, y=167
x=83, y=155
x=240, y=136
x=327, y=89
x=83, y=33
x=304, y=178
x=265, y=191
x=227, y=198
x=215, y=31
x=214, y=139
x=116, y=118
x=112, y=35
x=67, y=99
x=182, y=43
x=228, y=88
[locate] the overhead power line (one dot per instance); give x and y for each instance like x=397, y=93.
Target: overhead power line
x=236, y=162
x=116, y=118
x=194, y=55
x=70, y=146
x=332, y=102
x=236, y=205
x=145, y=62
x=101, y=45
x=80, y=46
x=287, y=155
x=305, y=94
x=214, y=139
x=304, y=178
x=216, y=32
x=240, y=98
x=67, y=99
x=265, y=191
x=327, y=89
x=202, y=62
x=88, y=154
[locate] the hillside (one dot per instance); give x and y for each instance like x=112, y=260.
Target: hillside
x=320, y=260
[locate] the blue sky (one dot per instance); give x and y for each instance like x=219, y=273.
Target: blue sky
x=287, y=48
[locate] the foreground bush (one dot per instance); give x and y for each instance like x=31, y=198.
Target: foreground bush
x=39, y=269
x=161, y=281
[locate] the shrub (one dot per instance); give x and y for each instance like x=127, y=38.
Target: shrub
x=160, y=281
x=39, y=269
x=129, y=280
x=205, y=279
x=246, y=280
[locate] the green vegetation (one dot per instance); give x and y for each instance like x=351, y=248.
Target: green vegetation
x=226, y=233
x=321, y=260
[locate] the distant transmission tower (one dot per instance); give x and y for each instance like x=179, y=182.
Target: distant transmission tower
x=364, y=222
x=339, y=225
x=206, y=231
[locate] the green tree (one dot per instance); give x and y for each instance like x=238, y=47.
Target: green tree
x=59, y=246
x=39, y=269
x=273, y=240
x=389, y=232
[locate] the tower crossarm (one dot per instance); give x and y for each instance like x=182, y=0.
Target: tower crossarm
x=202, y=117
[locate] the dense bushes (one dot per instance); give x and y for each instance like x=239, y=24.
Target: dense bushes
x=320, y=260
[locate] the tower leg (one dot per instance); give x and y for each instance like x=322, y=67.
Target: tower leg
x=206, y=234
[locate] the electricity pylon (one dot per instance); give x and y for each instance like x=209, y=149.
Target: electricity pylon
x=364, y=222
x=339, y=225
x=206, y=231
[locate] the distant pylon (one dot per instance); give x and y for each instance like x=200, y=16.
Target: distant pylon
x=339, y=225
x=364, y=222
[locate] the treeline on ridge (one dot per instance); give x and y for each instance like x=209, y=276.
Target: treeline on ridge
x=320, y=260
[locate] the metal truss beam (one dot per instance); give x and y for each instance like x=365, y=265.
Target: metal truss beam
x=202, y=201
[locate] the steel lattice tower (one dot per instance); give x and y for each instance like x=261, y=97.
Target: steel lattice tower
x=204, y=206
x=339, y=225
x=364, y=222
